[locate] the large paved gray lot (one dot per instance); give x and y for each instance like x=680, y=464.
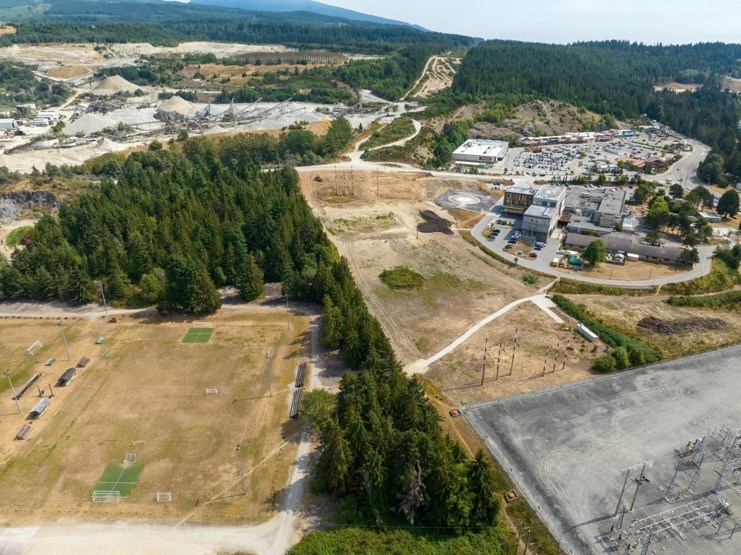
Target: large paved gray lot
x=565, y=446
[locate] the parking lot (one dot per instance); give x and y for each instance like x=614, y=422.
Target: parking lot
x=584, y=158
x=565, y=448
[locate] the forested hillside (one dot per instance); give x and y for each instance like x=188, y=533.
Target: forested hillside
x=169, y=22
x=19, y=84
x=618, y=78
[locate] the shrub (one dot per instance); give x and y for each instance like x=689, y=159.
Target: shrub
x=401, y=277
x=723, y=301
x=604, y=364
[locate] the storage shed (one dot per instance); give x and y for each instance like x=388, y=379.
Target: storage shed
x=65, y=378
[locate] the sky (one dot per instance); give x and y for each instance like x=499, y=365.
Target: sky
x=648, y=21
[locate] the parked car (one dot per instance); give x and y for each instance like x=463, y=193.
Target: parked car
x=533, y=255
x=508, y=246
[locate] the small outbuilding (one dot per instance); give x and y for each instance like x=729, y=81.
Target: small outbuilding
x=65, y=378
x=40, y=407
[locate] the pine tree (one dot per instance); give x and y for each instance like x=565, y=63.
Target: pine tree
x=485, y=507
x=249, y=280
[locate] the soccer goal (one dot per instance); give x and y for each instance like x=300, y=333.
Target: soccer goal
x=211, y=391
x=164, y=497
x=35, y=348
x=106, y=496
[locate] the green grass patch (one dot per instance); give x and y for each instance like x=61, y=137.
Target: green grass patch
x=571, y=287
x=17, y=235
x=720, y=278
x=401, y=277
x=119, y=477
x=397, y=130
x=372, y=222
x=628, y=350
x=730, y=300
x=198, y=335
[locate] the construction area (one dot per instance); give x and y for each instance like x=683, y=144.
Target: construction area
x=645, y=461
x=148, y=427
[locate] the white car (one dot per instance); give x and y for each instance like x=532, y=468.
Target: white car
x=560, y=251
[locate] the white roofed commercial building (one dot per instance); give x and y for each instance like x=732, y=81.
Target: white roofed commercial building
x=476, y=151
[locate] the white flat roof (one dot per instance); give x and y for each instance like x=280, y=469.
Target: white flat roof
x=475, y=147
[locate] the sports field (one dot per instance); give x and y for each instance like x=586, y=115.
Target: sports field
x=145, y=392
x=119, y=477
x=198, y=335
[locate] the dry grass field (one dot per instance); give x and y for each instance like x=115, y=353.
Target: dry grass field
x=458, y=375
x=147, y=396
x=626, y=312
x=373, y=221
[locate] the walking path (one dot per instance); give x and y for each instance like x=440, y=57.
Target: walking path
x=540, y=300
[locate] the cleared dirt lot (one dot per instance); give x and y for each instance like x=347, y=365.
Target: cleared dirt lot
x=565, y=446
x=373, y=223
x=147, y=395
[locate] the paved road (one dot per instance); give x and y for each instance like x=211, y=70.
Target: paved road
x=542, y=263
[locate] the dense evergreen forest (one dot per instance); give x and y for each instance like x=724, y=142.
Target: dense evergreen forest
x=167, y=23
x=618, y=78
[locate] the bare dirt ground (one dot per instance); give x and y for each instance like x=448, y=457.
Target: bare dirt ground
x=8, y=30
x=677, y=87
x=147, y=395
x=552, y=117
x=438, y=75
x=626, y=312
x=732, y=84
x=458, y=375
x=375, y=228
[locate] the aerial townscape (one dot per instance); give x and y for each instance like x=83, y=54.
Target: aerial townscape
x=280, y=276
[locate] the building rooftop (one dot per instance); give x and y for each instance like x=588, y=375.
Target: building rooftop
x=627, y=243
x=521, y=189
x=536, y=211
x=550, y=192
x=478, y=147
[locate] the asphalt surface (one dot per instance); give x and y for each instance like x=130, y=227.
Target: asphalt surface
x=564, y=447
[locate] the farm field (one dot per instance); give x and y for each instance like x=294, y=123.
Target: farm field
x=144, y=394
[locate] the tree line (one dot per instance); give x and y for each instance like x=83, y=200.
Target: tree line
x=618, y=78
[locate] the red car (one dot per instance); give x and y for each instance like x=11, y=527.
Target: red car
x=533, y=255
x=454, y=413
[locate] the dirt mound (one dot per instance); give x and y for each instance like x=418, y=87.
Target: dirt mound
x=178, y=105
x=670, y=327
x=114, y=84
x=90, y=123
x=434, y=223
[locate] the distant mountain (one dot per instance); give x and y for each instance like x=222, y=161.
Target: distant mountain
x=303, y=6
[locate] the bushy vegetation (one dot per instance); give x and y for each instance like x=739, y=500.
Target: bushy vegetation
x=353, y=540
x=18, y=84
x=395, y=131
x=18, y=236
x=571, y=287
x=401, y=277
x=627, y=350
x=138, y=75
x=730, y=300
x=720, y=278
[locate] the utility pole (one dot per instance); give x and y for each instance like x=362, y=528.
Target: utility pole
x=622, y=491
x=64, y=338
x=15, y=398
x=639, y=482
x=102, y=294
x=514, y=350
x=241, y=469
x=486, y=352
x=267, y=367
x=288, y=314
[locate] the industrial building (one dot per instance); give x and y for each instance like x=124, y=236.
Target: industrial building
x=476, y=151
x=541, y=217
x=593, y=210
x=628, y=244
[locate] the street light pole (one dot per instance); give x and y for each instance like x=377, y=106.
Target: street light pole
x=64, y=338
x=241, y=469
x=15, y=398
x=288, y=314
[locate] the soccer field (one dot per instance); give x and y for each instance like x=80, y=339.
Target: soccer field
x=198, y=335
x=119, y=477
